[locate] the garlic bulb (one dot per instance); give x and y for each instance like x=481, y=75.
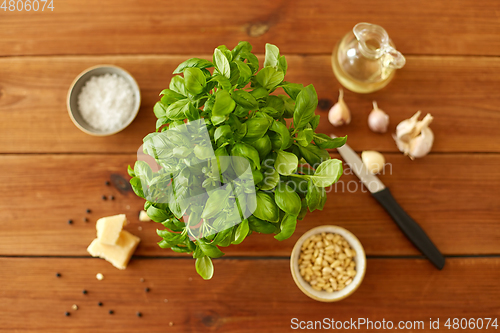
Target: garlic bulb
x=339, y=113
x=413, y=137
x=378, y=120
x=373, y=161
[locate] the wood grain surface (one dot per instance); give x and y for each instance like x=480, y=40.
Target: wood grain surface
x=460, y=92
x=453, y=196
x=51, y=172
x=196, y=26
x=243, y=296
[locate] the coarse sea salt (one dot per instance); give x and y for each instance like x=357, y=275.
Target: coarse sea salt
x=106, y=102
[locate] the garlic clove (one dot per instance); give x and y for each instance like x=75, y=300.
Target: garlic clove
x=405, y=129
x=422, y=144
x=378, y=120
x=414, y=138
x=339, y=114
x=373, y=161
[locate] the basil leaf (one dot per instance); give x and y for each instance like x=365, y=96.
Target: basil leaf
x=246, y=151
x=130, y=171
x=224, y=131
x=195, y=80
x=263, y=146
x=286, y=163
x=241, y=232
x=326, y=142
x=242, y=46
x=289, y=106
x=303, y=210
x=272, y=54
x=221, y=63
x=223, y=160
x=193, y=62
x=292, y=89
x=136, y=185
x=177, y=85
x=266, y=207
x=157, y=215
x=305, y=137
x=159, y=110
x=287, y=227
x=180, y=249
x=217, y=200
x=177, y=110
x=245, y=73
x=204, y=267
x=313, y=154
x=256, y=128
x=269, y=77
x=209, y=249
x=287, y=199
x=257, y=176
x=227, y=53
x=245, y=99
x=224, y=104
x=322, y=200
x=327, y=173
x=170, y=96
x=283, y=132
x=282, y=64
x=261, y=226
x=259, y=93
x=224, y=237
x=192, y=113
x=313, y=195
x=271, y=179
x=223, y=82
x=305, y=105
x=143, y=171
x=252, y=60
x=315, y=122
x=299, y=185
x=276, y=103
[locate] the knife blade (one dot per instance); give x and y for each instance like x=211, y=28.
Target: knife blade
x=381, y=193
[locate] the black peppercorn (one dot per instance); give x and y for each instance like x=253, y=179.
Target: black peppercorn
x=112, y=197
x=146, y=290
x=139, y=314
x=100, y=303
x=107, y=183
x=58, y=274
x=67, y=314
x=88, y=210
x=70, y=221
x=111, y=312
x=104, y=197
x=84, y=292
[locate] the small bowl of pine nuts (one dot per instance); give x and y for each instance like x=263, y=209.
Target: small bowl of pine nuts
x=328, y=263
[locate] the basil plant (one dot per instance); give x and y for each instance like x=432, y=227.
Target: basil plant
x=234, y=152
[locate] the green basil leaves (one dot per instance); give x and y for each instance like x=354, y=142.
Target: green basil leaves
x=229, y=142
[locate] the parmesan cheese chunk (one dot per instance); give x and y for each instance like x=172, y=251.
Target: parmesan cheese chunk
x=120, y=253
x=143, y=216
x=109, y=228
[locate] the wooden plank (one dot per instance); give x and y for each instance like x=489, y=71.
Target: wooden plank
x=243, y=296
x=466, y=110
x=197, y=26
x=454, y=197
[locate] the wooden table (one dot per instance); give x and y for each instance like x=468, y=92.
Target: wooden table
x=52, y=172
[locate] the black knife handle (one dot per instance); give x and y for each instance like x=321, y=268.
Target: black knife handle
x=410, y=228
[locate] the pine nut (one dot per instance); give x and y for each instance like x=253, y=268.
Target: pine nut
x=326, y=262
x=327, y=270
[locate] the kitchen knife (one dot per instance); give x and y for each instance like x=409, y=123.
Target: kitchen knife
x=382, y=194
